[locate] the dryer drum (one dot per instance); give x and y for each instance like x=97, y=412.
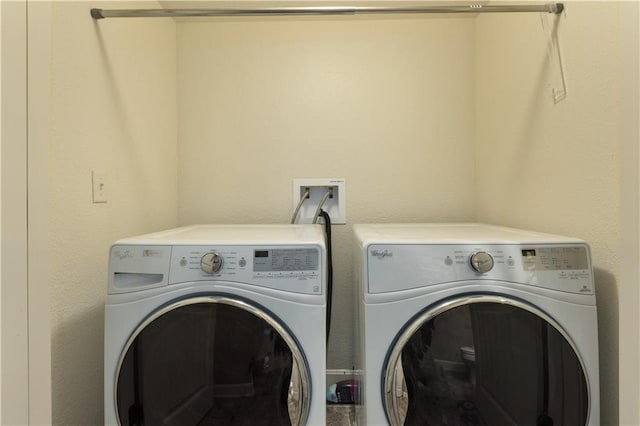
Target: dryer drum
x=485, y=360
x=212, y=360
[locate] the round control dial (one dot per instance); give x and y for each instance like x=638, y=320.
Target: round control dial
x=481, y=261
x=211, y=262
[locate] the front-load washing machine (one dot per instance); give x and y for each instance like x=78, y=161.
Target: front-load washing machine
x=470, y=324
x=219, y=325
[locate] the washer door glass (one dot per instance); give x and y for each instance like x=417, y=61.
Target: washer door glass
x=212, y=360
x=485, y=361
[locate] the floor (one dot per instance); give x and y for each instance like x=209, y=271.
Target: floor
x=446, y=401
x=340, y=415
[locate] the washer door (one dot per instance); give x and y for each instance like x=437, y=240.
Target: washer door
x=212, y=360
x=485, y=360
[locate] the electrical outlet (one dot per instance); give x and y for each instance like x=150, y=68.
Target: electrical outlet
x=335, y=205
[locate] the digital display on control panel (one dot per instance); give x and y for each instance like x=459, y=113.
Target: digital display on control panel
x=279, y=260
x=555, y=258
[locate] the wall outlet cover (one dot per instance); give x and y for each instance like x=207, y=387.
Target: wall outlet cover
x=335, y=205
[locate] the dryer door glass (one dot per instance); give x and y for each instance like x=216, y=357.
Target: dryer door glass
x=212, y=360
x=485, y=362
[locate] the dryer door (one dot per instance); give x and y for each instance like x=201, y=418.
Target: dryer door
x=212, y=360
x=485, y=360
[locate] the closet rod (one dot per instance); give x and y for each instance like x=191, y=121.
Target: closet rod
x=556, y=8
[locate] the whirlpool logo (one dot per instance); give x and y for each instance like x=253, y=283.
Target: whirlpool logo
x=381, y=254
x=123, y=254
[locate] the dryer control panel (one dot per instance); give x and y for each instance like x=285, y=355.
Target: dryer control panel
x=562, y=267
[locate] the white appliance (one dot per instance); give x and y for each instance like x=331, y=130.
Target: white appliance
x=217, y=325
x=475, y=324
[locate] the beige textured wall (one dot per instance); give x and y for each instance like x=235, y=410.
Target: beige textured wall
x=386, y=104
x=444, y=120
x=113, y=109
x=629, y=315
x=556, y=167
x=14, y=353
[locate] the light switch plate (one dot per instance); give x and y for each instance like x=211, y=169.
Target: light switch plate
x=99, y=182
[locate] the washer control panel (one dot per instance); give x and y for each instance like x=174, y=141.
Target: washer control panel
x=285, y=260
x=290, y=268
x=563, y=267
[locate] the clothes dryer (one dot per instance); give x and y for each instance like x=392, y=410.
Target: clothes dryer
x=217, y=324
x=471, y=324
